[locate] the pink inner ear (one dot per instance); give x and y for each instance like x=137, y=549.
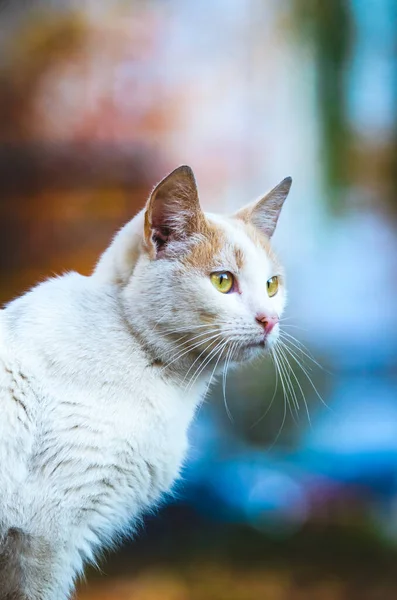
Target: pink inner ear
x=159, y=211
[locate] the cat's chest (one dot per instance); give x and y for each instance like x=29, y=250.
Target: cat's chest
x=151, y=437
x=118, y=448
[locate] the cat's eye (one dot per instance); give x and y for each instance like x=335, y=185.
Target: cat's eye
x=223, y=282
x=272, y=286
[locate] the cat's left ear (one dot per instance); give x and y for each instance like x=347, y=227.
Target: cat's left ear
x=264, y=213
x=173, y=211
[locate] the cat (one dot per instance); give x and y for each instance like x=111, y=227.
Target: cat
x=100, y=376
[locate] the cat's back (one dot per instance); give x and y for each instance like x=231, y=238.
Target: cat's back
x=17, y=425
x=3, y=347
x=14, y=384
x=7, y=368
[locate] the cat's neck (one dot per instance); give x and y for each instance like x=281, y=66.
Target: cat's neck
x=74, y=330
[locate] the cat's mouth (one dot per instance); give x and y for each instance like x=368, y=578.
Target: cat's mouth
x=260, y=343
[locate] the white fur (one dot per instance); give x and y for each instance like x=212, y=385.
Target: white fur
x=93, y=431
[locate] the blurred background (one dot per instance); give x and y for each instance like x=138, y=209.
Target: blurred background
x=98, y=101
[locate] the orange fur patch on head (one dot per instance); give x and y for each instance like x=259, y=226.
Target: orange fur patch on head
x=204, y=252
x=239, y=256
x=212, y=249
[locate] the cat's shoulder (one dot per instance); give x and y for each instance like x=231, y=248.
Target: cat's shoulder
x=8, y=366
x=8, y=383
x=51, y=296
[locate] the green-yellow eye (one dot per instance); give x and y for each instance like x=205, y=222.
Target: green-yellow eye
x=272, y=286
x=223, y=282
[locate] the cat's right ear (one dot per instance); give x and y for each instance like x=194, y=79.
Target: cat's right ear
x=173, y=211
x=265, y=212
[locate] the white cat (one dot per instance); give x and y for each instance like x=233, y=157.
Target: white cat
x=100, y=376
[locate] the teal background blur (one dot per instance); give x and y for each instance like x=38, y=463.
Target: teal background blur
x=98, y=101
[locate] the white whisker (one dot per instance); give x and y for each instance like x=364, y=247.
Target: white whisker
x=293, y=355
x=290, y=391
x=188, y=329
x=285, y=404
x=300, y=347
x=204, y=363
x=274, y=393
x=225, y=369
x=283, y=346
x=191, y=348
x=197, y=358
x=213, y=371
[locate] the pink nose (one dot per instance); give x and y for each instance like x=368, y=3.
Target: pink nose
x=267, y=322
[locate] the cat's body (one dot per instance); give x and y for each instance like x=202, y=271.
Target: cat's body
x=99, y=381
x=91, y=435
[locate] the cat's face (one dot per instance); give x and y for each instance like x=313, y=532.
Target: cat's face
x=206, y=287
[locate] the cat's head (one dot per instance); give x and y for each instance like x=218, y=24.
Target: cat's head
x=196, y=285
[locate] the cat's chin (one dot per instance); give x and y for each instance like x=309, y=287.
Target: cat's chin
x=254, y=349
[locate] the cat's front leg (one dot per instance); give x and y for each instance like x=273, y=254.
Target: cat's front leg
x=31, y=568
